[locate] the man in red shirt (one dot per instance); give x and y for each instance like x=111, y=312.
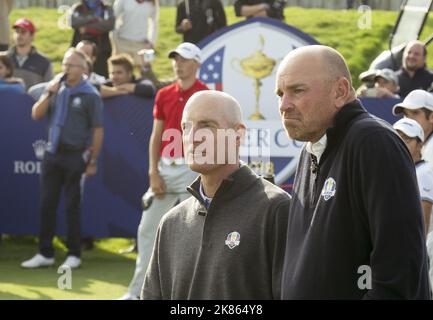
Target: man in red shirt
x=168, y=173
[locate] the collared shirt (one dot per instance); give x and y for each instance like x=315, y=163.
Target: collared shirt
x=427, y=149
x=366, y=187
x=318, y=147
x=173, y=161
x=169, y=104
x=206, y=199
x=21, y=59
x=85, y=112
x=424, y=176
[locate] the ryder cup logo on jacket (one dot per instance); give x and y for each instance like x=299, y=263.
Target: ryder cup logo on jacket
x=329, y=189
x=246, y=70
x=233, y=239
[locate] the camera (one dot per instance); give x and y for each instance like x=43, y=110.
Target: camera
x=147, y=55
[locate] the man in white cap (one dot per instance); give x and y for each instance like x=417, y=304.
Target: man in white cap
x=418, y=105
x=168, y=173
x=413, y=136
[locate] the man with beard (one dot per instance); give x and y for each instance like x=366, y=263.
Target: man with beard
x=414, y=74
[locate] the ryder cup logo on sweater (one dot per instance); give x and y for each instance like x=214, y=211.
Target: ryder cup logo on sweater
x=329, y=189
x=246, y=70
x=233, y=239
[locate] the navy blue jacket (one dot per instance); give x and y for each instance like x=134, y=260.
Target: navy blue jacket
x=366, y=217
x=423, y=79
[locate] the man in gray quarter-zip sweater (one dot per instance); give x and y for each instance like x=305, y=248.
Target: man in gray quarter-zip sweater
x=226, y=241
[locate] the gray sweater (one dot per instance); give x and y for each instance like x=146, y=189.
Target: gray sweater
x=233, y=250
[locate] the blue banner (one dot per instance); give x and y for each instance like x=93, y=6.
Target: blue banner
x=111, y=202
x=112, y=199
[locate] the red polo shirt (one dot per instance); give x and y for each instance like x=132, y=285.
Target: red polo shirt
x=169, y=104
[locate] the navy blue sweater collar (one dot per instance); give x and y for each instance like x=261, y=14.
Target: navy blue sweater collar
x=342, y=121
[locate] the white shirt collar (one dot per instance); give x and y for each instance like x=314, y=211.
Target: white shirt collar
x=318, y=147
x=203, y=196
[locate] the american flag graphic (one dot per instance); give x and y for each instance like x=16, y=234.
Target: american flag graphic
x=211, y=71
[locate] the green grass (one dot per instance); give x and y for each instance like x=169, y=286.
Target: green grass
x=336, y=28
x=104, y=274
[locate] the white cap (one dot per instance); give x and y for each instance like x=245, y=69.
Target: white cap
x=187, y=50
x=416, y=99
x=410, y=127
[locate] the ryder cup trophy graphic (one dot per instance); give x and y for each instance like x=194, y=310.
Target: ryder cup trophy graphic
x=256, y=66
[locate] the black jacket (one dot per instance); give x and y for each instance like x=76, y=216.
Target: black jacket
x=423, y=79
x=97, y=31
x=143, y=87
x=368, y=217
x=276, y=7
x=207, y=16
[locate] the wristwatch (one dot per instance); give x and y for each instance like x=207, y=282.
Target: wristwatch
x=93, y=162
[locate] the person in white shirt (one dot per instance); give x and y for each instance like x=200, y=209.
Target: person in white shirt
x=413, y=135
x=136, y=26
x=418, y=105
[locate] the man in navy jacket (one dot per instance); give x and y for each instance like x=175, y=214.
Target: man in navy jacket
x=355, y=228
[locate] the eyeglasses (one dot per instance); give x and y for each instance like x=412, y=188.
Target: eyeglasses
x=70, y=65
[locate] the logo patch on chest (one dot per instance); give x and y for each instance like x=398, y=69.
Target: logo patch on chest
x=233, y=239
x=329, y=189
x=76, y=102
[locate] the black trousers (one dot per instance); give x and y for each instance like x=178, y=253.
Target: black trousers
x=100, y=67
x=61, y=171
